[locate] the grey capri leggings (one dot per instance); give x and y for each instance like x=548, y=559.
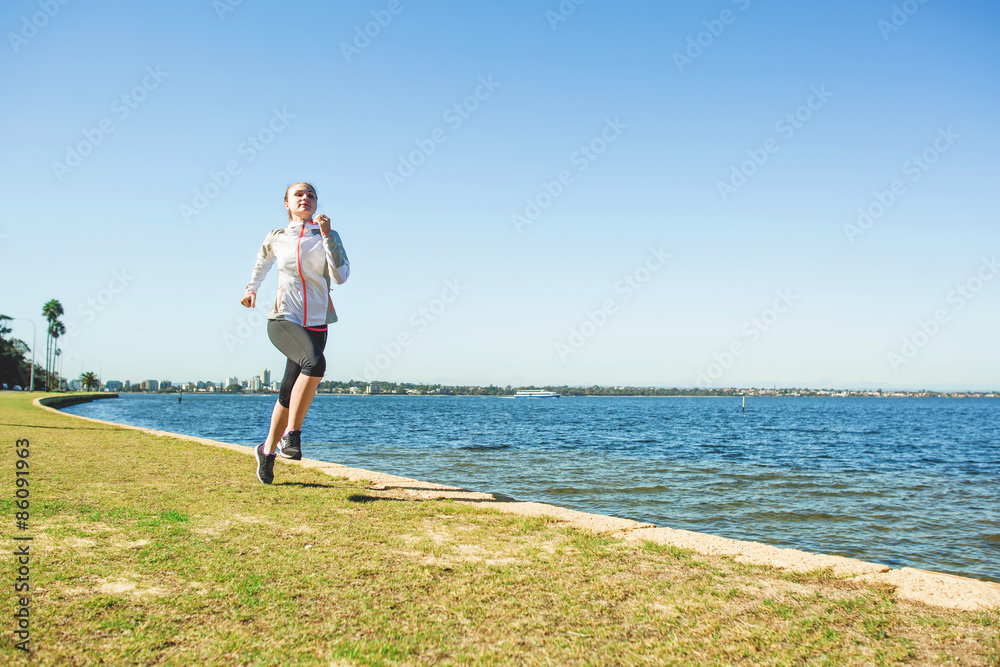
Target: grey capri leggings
x=304, y=350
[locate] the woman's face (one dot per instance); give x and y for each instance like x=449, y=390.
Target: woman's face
x=300, y=200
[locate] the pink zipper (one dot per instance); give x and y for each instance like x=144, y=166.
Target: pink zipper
x=298, y=265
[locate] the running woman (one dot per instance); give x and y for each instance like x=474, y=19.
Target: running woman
x=309, y=255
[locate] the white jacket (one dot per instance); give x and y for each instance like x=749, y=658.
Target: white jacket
x=307, y=261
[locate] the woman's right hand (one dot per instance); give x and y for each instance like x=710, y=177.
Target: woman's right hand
x=250, y=300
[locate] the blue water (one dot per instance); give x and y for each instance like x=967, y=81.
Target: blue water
x=904, y=482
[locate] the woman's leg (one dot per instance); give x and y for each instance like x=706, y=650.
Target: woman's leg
x=279, y=416
x=302, y=397
x=303, y=371
x=279, y=421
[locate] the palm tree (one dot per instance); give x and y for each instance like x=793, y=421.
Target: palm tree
x=56, y=366
x=51, y=311
x=56, y=329
x=89, y=381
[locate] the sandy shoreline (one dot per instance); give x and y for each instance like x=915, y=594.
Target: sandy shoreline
x=939, y=590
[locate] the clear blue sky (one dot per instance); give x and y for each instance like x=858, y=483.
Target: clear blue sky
x=676, y=120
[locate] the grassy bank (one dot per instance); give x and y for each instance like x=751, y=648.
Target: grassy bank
x=152, y=550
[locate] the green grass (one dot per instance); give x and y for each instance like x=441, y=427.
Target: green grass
x=153, y=550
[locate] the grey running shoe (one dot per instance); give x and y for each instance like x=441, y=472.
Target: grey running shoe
x=265, y=464
x=290, y=446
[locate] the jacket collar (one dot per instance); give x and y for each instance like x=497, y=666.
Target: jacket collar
x=295, y=224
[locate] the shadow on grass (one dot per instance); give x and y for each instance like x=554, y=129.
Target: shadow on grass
x=308, y=485
x=60, y=428
x=359, y=498
x=497, y=497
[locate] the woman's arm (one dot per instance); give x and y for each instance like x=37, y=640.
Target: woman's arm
x=265, y=260
x=336, y=256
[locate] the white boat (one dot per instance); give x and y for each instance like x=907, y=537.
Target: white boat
x=535, y=393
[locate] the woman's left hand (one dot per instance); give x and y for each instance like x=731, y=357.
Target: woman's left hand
x=324, y=223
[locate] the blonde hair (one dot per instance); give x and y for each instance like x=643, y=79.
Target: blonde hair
x=310, y=186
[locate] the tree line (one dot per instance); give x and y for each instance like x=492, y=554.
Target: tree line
x=15, y=366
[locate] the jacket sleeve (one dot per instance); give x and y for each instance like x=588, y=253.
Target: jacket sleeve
x=336, y=257
x=265, y=260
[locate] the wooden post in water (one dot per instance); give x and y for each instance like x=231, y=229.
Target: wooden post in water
x=744, y=403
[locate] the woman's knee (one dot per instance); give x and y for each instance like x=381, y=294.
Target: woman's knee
x=315, y=366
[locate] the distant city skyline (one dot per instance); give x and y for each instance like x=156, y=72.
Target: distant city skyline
x=656, y=194
x=749, y=388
